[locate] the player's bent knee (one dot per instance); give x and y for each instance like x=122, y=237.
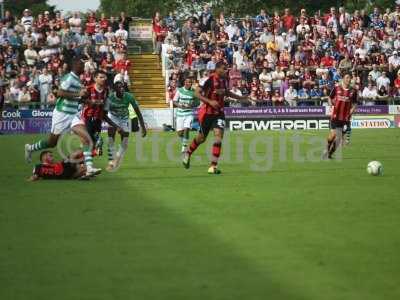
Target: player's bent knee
x=52, y=141
x=200, y=139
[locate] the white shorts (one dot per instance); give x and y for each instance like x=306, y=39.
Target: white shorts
x=123, y=123
x=77, y=120
x=61, y=122
x=184, y=122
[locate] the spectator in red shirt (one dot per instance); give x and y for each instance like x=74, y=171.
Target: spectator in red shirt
x=91, y=24
x=58, y=22
x=308, y=46
x=303, y=16
x=55, y=63
x=40, y=23
x=108, y=63
x=327, y=60
x=156, y=29
x=171, y=90
x=87, y=78
x=288, y=20
x=23, y=77
x=222, y=37
x=122, y=64
x=277, y=99
x=104, y=24
x=191, y=54
x=234, y=76
x=314, y=61
x=161, y=33
x=397, y=81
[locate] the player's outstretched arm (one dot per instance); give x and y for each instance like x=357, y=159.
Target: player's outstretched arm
x=33, y=178
x=237, y=97
x=140, y=118
x=70, y=95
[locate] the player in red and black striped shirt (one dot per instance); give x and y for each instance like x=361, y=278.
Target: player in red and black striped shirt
x=50, y=169
x=211, y=115
x=93, y=114
x=344, y=100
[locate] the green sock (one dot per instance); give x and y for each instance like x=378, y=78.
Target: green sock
x=43, y=144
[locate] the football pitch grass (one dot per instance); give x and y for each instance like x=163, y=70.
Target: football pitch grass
x=153, y=230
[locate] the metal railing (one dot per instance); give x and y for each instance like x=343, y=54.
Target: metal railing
x=261, y=103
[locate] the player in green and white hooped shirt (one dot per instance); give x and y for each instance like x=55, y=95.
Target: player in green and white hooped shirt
x=117, y=109
x=185, y=101
x=69, y=95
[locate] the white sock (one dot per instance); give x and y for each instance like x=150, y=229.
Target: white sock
x=123, y=147
x=185, y=142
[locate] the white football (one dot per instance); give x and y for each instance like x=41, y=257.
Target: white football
x=375, y=168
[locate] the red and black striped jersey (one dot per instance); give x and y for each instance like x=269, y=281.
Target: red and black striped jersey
x=214, y=88
x=58, y=170
x=342, y=100
x=94, y=106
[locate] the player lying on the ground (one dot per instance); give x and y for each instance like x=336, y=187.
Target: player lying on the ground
x=50, y=169
x=117, y=109
x=185, y=101
x=69, y=96
x=211, y=115
x=344, y=100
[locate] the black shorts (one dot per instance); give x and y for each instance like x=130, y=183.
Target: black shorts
x=135, y=125
x=347, y=126
x=338, y=124
x=211, y=122
x=70, y=170
x=94, y=128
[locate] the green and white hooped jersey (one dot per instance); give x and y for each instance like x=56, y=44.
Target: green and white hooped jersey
x=69, y=83
x=186, y=97
x=120, y=107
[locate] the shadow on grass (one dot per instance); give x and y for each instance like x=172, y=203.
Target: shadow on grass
x=100, y=241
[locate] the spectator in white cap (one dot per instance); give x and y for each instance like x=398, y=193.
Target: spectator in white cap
x=75, y=22
x=384, y=81
x=121, y=32
x=24, y=97
x=27, y=19
x=291, y=95
x=31, y=55
x=375, y=73
x=123, y=77
x=369, y=94
x=53, y=40
x=45, y=87
x=394, y=61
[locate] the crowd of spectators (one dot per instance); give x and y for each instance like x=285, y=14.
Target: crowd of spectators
x=36, y=52
x=277, y=58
